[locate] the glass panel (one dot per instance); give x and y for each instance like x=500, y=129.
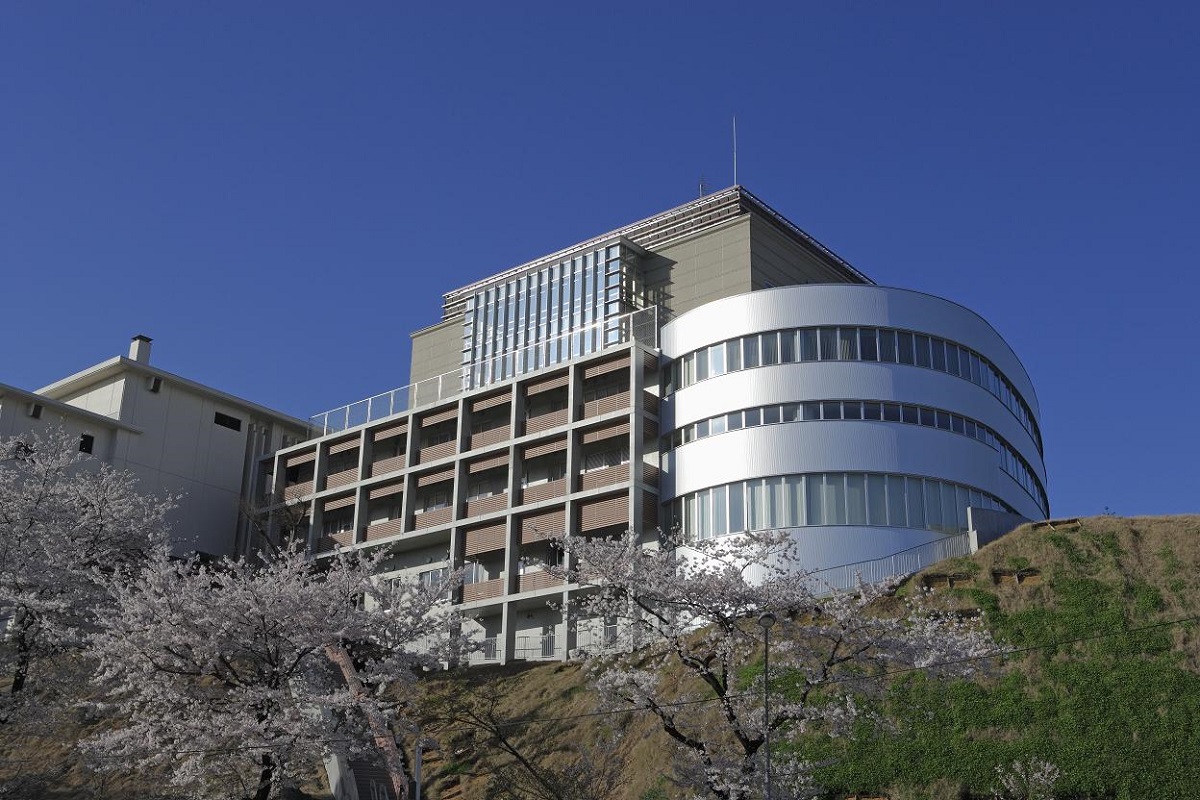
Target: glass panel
x=834, y=490
x=702, y=365
x=814, y=514
x=891, y=412
x=961, y=501
x=770, y=415
x=795, y=493
x=872, y=411
x=750, y=352
x=787, y=347
x=848, y=344
x=734, y=421
x=916, y=502
x=733, y=355
x=952, y=358
x=689, y=516
x=943, y=420
x=770, y=348
x=904, y=347
x=791, y=412
x=720, y=512
x=949, y=512
x=737, y=505
x=828, y=340
x=810, y=410
x=856, y=499
x=922, y=351
x=753, y=417
x=895, y=500
x=716, y=425
x=927, y=418
x=779, y=503
x=868, y=346
x=704, y=514
x=716, y=359
x=956, y=424
x=876, y=500
x=831, y=409
x=808, y=345
x=851, y=409
x=933, y=506
x=911, y=415
x=887, y=346
x=702, y=429
x=939, y=354
x=759, y=505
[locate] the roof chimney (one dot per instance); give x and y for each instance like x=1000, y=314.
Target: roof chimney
x=139, y=349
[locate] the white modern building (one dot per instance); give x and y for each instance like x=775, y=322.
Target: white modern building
x=179, y=438
x=711, y=369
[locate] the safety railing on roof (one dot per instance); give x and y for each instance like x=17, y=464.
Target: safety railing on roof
x=640, y=326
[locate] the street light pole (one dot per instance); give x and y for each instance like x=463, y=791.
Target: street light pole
x=765, y=621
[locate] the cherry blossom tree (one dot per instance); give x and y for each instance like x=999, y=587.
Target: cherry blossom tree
x=230, y=674
x=693, y=611
x=69, y=526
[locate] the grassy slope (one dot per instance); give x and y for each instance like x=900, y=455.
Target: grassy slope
x=1120, y=714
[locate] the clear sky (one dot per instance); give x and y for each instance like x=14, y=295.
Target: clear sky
x=278, y=193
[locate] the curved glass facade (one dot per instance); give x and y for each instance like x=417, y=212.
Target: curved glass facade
x=885, y=345
x=870, y=410
x=828, y=498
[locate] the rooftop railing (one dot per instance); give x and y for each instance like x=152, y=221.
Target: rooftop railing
x=640, y=326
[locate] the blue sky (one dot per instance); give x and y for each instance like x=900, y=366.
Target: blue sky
x=278, y=193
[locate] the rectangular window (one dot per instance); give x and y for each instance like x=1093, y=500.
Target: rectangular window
x=770, y=415
x=897, y=514
x=828, y=340
x=867, y=344
x=887, y=346
x=737, y=507
x=733, y=355
x=831, y=409
x=848, y=344
x=716, y=359
x=891, y=412
x=956, y=423
x=904, y=349
x=810, y=411
x=702, y=429
x=952, y=359
x=734, y=421
x=922, y=351
x=720, y=511
x=916, y=503
x=876, y=500
x=226, y=421
x=911, y=415
x=717, y=425
x=852, y=409
x=777, y=516
x=86, y=442
x=933, y=506
x=834, y=491
x=815, y=513
x=750, y=352
x=701, y=365
x=808, y=345
x=943, y=420
x=753, y=417
x=795, y=499
x=791, y=412
x=939, y=354
x=927, y=418
x=872, y=411
x=770, y=348
x=758, y=505
x=856, y=499
x=787, y=347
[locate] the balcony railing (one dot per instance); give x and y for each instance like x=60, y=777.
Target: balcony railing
x=537, y=648
x=382, y=530
x=491, y=436
x=544, y=491
x=343, y=478
x=435, y=451
x=605, y=476
x=544, y=422
x=605, y=405
x=298, y=490
x=437, y=516
x=537, y=579
x=640, y=325
x=486, y=505
x=385, y=465
x=488, y=651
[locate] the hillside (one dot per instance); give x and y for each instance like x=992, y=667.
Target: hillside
x=1104, y=682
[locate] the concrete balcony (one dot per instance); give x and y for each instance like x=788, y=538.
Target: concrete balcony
x=486, y=505
x=483, y=590
x=604, y=477
x=549, y=490
x=382, y=530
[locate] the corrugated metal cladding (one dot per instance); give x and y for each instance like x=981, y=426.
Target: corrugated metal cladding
x=302, y=458
x=547, y=384
x=546, y=525
x=545, y=448
x=390, y=431
x=606, y=432
x=339, y=502
x=439, y=416
x=498, y=460
x=435, y=477
x=605, y=367
x=386, y=490
x=491, y=402
x=484, y=539
x=343, y=446
x=603, y=513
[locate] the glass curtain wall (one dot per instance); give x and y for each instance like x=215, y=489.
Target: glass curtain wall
x=548, y=315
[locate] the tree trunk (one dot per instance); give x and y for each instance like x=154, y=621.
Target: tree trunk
x=24, y=651
x=375, y=719
x=264, y=778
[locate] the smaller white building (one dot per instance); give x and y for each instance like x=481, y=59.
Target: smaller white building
x=177, y=436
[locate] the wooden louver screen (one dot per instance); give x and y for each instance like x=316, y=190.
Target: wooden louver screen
x=547, y=525
x=545, y=448
x=343, y=446
x=439, y=416
x=546, y=385
x=390, y=431
x=301, y=458
x=435, y=477
x=604, y=513
x=593, y=370
x=386, y=489
x=483, y=539
x=491, y=402
x=339, y=502
x=607, y=432
x=498, y=460
x=649, y=511
x=649, y=362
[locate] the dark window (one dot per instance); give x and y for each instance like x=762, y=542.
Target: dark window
x=86, y=442
x=226, y=421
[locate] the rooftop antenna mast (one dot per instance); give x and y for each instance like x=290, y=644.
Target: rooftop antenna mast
x=735, y=183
